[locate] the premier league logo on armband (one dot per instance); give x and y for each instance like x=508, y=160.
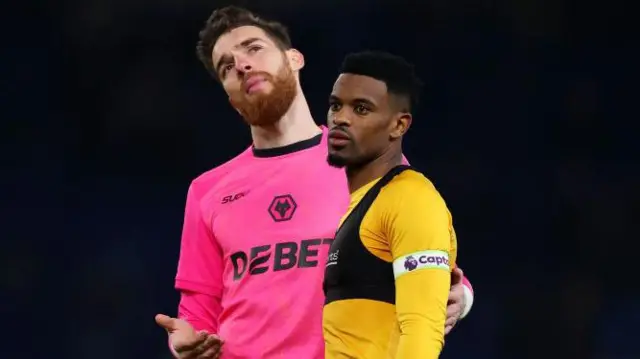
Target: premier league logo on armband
x=410, y=263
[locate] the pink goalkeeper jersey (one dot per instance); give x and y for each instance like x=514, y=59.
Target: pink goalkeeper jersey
x=256, y=236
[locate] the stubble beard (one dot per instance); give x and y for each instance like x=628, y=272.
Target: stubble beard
x=336, y=161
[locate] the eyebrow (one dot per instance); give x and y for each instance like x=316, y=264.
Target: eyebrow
x=244, y=44
x=360, y=100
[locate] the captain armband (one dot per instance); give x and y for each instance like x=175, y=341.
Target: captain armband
x=421, y=260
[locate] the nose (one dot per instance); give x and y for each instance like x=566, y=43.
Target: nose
x=339, y=119
x=242, y=65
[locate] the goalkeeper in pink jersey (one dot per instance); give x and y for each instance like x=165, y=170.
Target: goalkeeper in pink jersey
x=257, y=229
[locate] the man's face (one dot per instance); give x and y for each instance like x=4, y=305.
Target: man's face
x=255, y=73
x=359, y=119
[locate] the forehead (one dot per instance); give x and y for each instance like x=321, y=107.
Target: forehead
x=350, y=86
x=232, y=39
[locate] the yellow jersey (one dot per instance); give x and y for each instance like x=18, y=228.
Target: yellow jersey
x=388, y=274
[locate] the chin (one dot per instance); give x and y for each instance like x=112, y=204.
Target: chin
x=336, y=161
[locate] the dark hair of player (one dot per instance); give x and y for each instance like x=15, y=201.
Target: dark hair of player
x=228, y=18
x=398, y=74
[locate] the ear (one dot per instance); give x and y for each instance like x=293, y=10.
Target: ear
x=296, y=59
x=400, y=125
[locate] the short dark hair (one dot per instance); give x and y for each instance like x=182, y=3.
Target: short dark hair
x=398, y=74
x=228, y=18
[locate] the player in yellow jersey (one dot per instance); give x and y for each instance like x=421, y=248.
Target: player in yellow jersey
x=389, y=268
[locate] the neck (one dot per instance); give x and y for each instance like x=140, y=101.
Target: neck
x=295, y=126
x=361, y=175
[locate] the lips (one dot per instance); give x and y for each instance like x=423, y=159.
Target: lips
x=253, y=82
x=339, y=135
x=338, y=139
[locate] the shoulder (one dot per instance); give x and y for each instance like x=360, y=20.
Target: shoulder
x=214, y=177
x=409, y=184
x=410, y=191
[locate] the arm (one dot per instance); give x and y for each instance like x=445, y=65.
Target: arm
x=460, y=298
x=199, y=277
x=200, y=310
x=421, y=292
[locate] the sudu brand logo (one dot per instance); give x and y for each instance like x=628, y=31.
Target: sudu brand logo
x=233, y=197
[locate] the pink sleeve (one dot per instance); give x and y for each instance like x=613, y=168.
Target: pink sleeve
x=466, y=283
x=200, y=265
x=200, y=310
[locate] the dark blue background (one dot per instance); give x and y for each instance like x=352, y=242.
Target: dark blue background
x=527, y=127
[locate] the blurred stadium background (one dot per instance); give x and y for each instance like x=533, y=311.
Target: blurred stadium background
x=527, y=127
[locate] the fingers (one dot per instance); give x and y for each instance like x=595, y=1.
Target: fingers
x=447, y=329
x=212, y=341
x=187, y=343
x=453, y=313
x=214, y=351
x=449, y=323
x=456, y=294
x=454, y=310
x=185, y=346
x=456, y=276
x=209, y=348
x=166, y=322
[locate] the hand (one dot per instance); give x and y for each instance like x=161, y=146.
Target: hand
x=186, y=342
x=456, y=302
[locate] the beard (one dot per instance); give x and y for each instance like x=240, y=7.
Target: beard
x=352, y=159
x=336, y=161
x=264, y=109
